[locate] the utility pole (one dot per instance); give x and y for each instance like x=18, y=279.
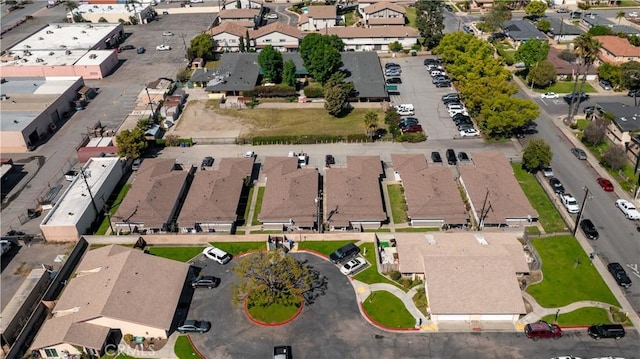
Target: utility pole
x=153, y=112
x=584, y=203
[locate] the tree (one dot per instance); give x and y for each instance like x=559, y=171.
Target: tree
x=536, y=155
x=611, y=73
x=271, y=277
x=584, y=5
x=321, y=55
x=202, y=46
x=430, y=21
x=498, y=14
x=542, y=74
x=502, y=114
x=567, y=55
x=247, y=41
x=600, y=30
x=395, y=46
x=270, y=61
x=544, y=25
x=289, y=73
x=70, y=6
x=634, y=40
x=241, y=44
x=102, y=19
x=614, y=157
x=595, y=132
x=532, y=51
x=371, y=121
x=144, y=124
x=630, y=74
x=336, y=94
x=587, y=48
x=131, y=143
x=620, y=15
x=536, y=8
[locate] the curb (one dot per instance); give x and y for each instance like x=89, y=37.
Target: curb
x=263, y=324
x=194, y=347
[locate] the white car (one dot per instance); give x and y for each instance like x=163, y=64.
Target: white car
x=570, y=203
x=407, y=106
x=163, y=48
x=167, y=33
x=249, y=154
x=5, y=246
x=196, y=1
x=469, y=132
x=550, y=95
x=633, y=14
x=272, y=16
x=547, y=172
x=628, y=209
x=353, y=266
x=457, y=111
x=405, y=112
x=217, y=255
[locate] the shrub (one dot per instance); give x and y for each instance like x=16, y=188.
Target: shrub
x=412, y=137
x=395, y=275
x=271, y=91
x=308, y=139
x=128, y=337
x=171, y=140
x=313, y=91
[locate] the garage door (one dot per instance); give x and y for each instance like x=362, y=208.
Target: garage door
x=451, y=317
x=496, y=317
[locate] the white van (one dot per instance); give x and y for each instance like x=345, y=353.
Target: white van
x=405, y=106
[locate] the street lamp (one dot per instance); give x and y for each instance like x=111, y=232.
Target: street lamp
x=584, y=203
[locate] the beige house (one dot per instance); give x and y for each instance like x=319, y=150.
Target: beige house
x=114, y=292
x=318, y=18
x=248, y=18
x=375, y=38
x=467, y=276
x=291, y=194
x=624, y=125
x=281, y=36
x=226, y=36
x=212, y=203
x=353, y=196
x=384, y=14
x=617, y=50
x=363, y=4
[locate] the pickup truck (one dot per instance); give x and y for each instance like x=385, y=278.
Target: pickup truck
x=570, y=203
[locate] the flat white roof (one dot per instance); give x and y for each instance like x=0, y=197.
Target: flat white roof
x=75, y=200
x=94, y=57
x=63, y=36
x=110, y=8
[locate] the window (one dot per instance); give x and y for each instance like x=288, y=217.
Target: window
x=267, y=40
x=233, y=41
x=51, y=353
x=283, y=40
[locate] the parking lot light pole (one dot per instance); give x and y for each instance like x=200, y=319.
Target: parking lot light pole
x=584, y=203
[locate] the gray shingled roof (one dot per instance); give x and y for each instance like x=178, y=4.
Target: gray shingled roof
x=366, y=74
x=521, y=30
x=239, y=71
x=626, y=117
x=558, y=27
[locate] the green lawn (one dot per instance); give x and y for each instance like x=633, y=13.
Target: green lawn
x=371, y=275
x=562, y=87
x=563, y=281
x=421, y=301
x=388, y=310
x=104, y=226
x=351, y=18
x=398, y=203
x=378, y=230
x=276, y=313
x=258, y=207
x=411, y=16
x=582, y=124
x=418, y=229
x=181, y=254
x=276, y=122
x=506, y=51
x=235, y=248
x=248, y=207
x=582, y=316
x=324, y=247
x=548, y=214
x=184, y=350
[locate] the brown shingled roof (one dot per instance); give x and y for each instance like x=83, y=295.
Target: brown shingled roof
x=385, y=21
x=492, y=172
x=463, y=276
x=618, y=46
x=354, y=192
x=276, y=27
x=229, y=27
x=322, y=12
x=290, y=192
x=563, y=67
x=431, y=191
x=214, y=194
x=381, y=5
x=153, y=194
x=371, y=32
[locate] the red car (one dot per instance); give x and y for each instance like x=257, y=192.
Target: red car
x=605, y=184
x=412, y=129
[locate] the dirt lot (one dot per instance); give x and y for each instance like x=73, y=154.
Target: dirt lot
x=198, y=121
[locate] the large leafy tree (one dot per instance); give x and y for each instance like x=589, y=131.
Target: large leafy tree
x=268, y=278
x=536, y=155
x=270, y=61
x=544, y=25
x=321, y=55
x=611, y=73
x=542, y=74
x=202, y=46
x=536, y=8
x=430, y=21
x=336, y=94
x=131, y=143
x=498, y=14
x=587, y=49
x=532, y=51
x=502, y=114
x=289, y=73
x=630, y=74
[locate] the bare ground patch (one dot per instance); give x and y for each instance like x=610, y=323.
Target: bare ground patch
x=199, y=120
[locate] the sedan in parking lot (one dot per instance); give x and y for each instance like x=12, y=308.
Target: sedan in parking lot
x=470, y=132
x=629, y=210
x=463, y=157
x=353, y=265
x=394, y=80
x=389, y=65
x=556, y=185
x=127, y=47
x=207, y=162
x=404, y=112
x=589, y=229
x=435, y=157
x=163, y=48
x=412, y=129
x=167, y=33
x=579, y=153
x=605, y=184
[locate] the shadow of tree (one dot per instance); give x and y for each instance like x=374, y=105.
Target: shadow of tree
x=318, y=287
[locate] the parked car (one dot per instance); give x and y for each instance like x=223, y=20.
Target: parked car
x=163, y=48
x=465, y=126
x=543, y=330
x=562, y=10
x=633, y=14
x=167, y=33
x=5, y=246
x=435, y=157
x=193, y=326
x=344, y=253
x=127, y=47
x=634, y=93
x=443, y=84
x=207, y=161
x=353, y=266
x=408, y=121
x=606, y=85
x=272, y=16
x=282, y=352
x=196, y=1
x=619, y=274
x=393, y=72
x=589, y=229
x=576, y=15
x=451, y=157
x=550, y=95
x=556, y=185
x=329, y=160
x=207, y=281
x=249, y=154
x=471, y=132
x=463, y=157
x=217, y=255
x=589, y=110
x=405, y=112
x=394, y=80
x=141, y=50
x=412, y=129
x=467, y=29
x=451, y=96
x=136, y=164
x=600, y=331
x=389, y=65
x=582, y=97
x=579, y=153
x=570, y=203
x=629, y=210
x=606, y=185
x=547, y=172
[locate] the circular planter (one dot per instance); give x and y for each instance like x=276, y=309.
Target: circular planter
x=260, y=321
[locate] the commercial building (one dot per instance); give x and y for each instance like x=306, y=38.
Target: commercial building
x=78, y=49
x=83, y=201
x=115, y=13
x=32, y=109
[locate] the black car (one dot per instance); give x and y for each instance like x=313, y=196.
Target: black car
x=389, y=65
x=329, y=160
x=499, y=36
x=207, y=161
x=576, y=15
x=127, y=47
x=435, y=157
x=443, y=84
x=634, y=93
x=556, y=185
x=589, y=229
x=600, y=331
x=451, y=157
x=432, y=61
x=193, y=326
x=465, y=126
x=451, y=96
x=467, y=29
x=344, y=253
x=619, y=274
x=282, y=352
x=408, y=121
x=452, y=101
x=463, y=157
x=207, y=281
x=581, y=95
x=589, y=110
x=394, y=80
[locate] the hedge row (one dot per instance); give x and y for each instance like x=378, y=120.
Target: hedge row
x=271, y=91
x=313, y=92
x=306, y=140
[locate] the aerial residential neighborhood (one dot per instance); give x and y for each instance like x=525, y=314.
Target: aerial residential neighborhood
x=314, y=179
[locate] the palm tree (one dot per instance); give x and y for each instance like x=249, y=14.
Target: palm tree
x=620, y=15
x=371, y=121
x=587, y=48
x=70, y=6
